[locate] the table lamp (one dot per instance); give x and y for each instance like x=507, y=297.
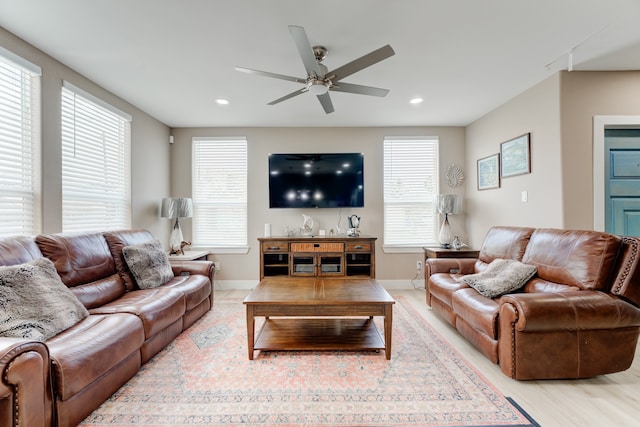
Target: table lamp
x=176, y=207
x=447, y=204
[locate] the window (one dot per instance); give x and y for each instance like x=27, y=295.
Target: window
x=96, y=180
x=410, y=185
x=19, y=146
x=220, y=193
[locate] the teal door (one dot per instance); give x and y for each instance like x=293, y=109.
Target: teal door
x=622, y=207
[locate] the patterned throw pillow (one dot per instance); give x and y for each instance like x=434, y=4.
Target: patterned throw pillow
x=34, y=303
x=500, y=277
x=149, y=264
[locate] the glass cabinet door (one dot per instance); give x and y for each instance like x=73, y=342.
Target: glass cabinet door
x=331, y=264
x=303, y=264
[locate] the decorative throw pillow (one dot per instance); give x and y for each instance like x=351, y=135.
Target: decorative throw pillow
x=500, y=277
x=34, y=303
x=148, y=263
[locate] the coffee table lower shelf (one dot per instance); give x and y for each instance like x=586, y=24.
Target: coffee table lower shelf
x=319, y=334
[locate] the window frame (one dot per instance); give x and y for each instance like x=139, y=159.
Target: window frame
x=235, y=196
x=393, y=243
x=20, y=147
x=103, y=133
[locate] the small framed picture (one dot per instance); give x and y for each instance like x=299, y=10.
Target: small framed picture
x=515, y=156
x=489, y=172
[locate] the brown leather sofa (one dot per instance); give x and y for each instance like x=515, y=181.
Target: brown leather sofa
x=61, y=381
x=578, y=317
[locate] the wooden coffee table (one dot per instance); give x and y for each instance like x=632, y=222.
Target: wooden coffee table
x=320, y=314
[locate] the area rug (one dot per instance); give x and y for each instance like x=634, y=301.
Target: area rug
x=204, y=378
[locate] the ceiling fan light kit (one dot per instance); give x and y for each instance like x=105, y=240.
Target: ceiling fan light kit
x=319, y=80
x=317, y=87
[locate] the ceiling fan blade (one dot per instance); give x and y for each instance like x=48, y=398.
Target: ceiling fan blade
x=273, y=75
x=325, y=100
x=361, y=63
x=305, y=50
x=359, y=89
x=291, y=95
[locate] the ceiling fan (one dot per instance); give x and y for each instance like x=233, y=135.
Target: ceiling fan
x=320, y=80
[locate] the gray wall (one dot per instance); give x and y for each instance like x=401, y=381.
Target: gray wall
x=584, y=95
x=261, y=141
x=536, y=111
x=149, y=144
x=559, y=112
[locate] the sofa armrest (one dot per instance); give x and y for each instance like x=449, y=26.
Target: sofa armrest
x=25, y=387
x=577, y=310
x=577, y=334
x=449, y=265
x=206, y=268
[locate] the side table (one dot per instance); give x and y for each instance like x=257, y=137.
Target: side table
x=450, y=253
x=190, y=256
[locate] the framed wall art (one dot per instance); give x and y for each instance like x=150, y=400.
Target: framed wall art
x=515, y=156
x=489, y=172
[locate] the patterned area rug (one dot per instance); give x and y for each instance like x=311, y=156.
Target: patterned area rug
x=204, y=378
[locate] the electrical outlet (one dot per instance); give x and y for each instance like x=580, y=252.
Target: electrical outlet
x=419, y=265
x=216, y=265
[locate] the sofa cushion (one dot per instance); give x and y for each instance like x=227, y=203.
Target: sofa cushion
x=579, y=258
x=92, y=349
x=479, y=312
x=504, y=243
x=18, y=250
x=158, y=308
x=34, y=302
x=148, y=263
x=500, y=277
x=85, y=265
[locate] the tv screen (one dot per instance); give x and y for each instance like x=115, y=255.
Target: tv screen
x=329, y=180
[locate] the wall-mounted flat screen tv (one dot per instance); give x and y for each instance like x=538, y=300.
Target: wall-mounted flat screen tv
x=324, y=180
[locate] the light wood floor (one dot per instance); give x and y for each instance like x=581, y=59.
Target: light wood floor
x=610, y=400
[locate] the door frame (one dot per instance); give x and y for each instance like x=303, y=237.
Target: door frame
x=600, y=124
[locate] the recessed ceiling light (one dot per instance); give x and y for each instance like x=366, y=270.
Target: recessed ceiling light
x=222, y=101
x=415, y=101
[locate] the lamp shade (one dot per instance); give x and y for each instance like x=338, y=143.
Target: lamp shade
x=176, y=207
x=449, y=203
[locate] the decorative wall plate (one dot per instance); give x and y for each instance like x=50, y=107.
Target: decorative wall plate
x=454, y=176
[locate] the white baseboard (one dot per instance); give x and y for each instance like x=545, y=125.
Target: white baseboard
x=228, y=285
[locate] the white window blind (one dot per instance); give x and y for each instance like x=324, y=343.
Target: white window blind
x=219, y=192
x=96, y=180
x=20, y=193
x=410, y=184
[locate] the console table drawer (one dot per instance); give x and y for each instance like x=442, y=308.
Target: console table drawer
x=317, y=247
x=359, y=247
x=275, y=246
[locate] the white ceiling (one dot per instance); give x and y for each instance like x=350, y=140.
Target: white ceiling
x=174, y=58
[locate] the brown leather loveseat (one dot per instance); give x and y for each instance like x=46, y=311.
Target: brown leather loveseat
x=577, y=317
x=60, y=381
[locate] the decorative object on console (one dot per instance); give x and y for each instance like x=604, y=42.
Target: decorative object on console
x=354, y=224
x=447, y=204
x=307, y=225
x=176, y=207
